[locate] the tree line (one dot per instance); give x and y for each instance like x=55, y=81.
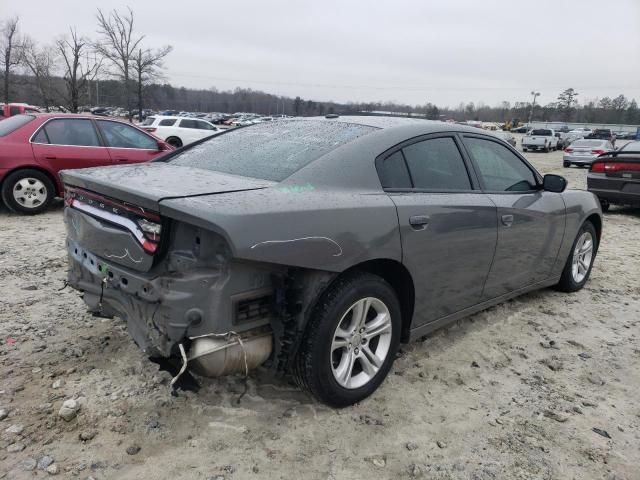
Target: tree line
x=61, y=73
x=119, y=69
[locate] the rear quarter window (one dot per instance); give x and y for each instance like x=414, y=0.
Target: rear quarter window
x=270, y=150
x=11, y=124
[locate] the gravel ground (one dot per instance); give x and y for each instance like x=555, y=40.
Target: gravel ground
x=545, y=386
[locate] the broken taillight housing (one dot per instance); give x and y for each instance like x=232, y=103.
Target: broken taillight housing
x=144, y=225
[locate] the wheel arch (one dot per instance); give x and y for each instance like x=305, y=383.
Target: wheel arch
x=596, y=220
x=397, y=275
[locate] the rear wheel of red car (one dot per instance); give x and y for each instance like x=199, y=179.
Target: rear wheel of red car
x=578, y=267
x=351, y=340
x=27, y=191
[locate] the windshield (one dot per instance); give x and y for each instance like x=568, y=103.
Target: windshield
x=270, y=150
x=13, y=123
x=541, y=132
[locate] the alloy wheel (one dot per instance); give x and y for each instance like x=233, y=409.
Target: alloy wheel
x=361, y=342
x=582, y=257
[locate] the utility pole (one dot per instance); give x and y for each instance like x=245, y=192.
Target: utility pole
x=533, y=104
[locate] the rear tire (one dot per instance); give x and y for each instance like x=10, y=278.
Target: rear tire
x=566, y=164
x=175, y=142
x=604, y=204
x=580, y=261
x=351, y=340
x=27, y=191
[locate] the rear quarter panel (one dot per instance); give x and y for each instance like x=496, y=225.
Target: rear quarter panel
x=302, y=227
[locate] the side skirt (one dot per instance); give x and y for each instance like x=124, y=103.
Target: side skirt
x=423, y=330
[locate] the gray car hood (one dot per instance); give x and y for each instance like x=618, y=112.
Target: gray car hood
x=146, y=184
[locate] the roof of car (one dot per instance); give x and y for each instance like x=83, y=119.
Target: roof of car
x=384, y=122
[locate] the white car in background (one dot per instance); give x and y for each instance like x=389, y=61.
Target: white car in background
x=179, y=131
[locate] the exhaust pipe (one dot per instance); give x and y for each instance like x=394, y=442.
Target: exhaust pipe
x=225, y=355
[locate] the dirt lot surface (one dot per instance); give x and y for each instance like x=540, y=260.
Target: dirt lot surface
x=542, y=387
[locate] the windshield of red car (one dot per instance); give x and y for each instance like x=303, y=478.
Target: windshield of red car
x=270, y=150
x=11, y=124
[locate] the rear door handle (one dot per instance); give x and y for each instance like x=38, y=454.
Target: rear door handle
x=122, y=159
x=419, y=221
x=507, y=220
x=50, y=157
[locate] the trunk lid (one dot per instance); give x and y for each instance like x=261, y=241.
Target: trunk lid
x=146, y=184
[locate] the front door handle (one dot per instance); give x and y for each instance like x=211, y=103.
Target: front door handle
x=122, y=159
x=50, y=157
x=507, y=220
x=419, y=222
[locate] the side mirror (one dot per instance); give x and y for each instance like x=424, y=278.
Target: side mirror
x=554, y=183
x=163, y=146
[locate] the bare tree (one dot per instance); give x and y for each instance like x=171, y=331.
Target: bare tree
x=11, y=50
x=147, y=65
x=41, y=64
x=118, y=45
x=76, y=74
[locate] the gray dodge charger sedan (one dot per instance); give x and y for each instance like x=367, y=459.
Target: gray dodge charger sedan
x=316, y=246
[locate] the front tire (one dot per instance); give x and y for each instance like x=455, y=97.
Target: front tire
x=578, y=267
x=351, y=340
x=27, y=191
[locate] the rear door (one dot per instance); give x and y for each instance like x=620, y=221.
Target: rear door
x=63, y=143
x=447, y=225
x=530, y=220
x=128, y=144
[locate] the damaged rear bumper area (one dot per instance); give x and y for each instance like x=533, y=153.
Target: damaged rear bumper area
x=193, y=293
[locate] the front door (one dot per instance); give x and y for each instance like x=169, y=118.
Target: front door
x=447, y=226
x=530, y=220
x=128, y=144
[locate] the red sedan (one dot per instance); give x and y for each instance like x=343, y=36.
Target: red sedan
x=35, y=147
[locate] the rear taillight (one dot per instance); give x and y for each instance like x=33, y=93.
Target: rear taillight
x=598, y=151
x=149, y=129
x=612, y=167
x=568, y=150
x=144, y=225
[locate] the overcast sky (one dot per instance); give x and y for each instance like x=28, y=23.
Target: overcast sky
x=410, y=51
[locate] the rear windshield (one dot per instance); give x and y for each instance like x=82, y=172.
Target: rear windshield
x=13, y=123
x=541, y=133
x=148, y=121
x=587, y=143
x=270, y=150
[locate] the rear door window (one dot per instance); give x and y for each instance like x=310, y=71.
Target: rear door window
x=72, y=131
x=436, y=164
x=167, y=122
